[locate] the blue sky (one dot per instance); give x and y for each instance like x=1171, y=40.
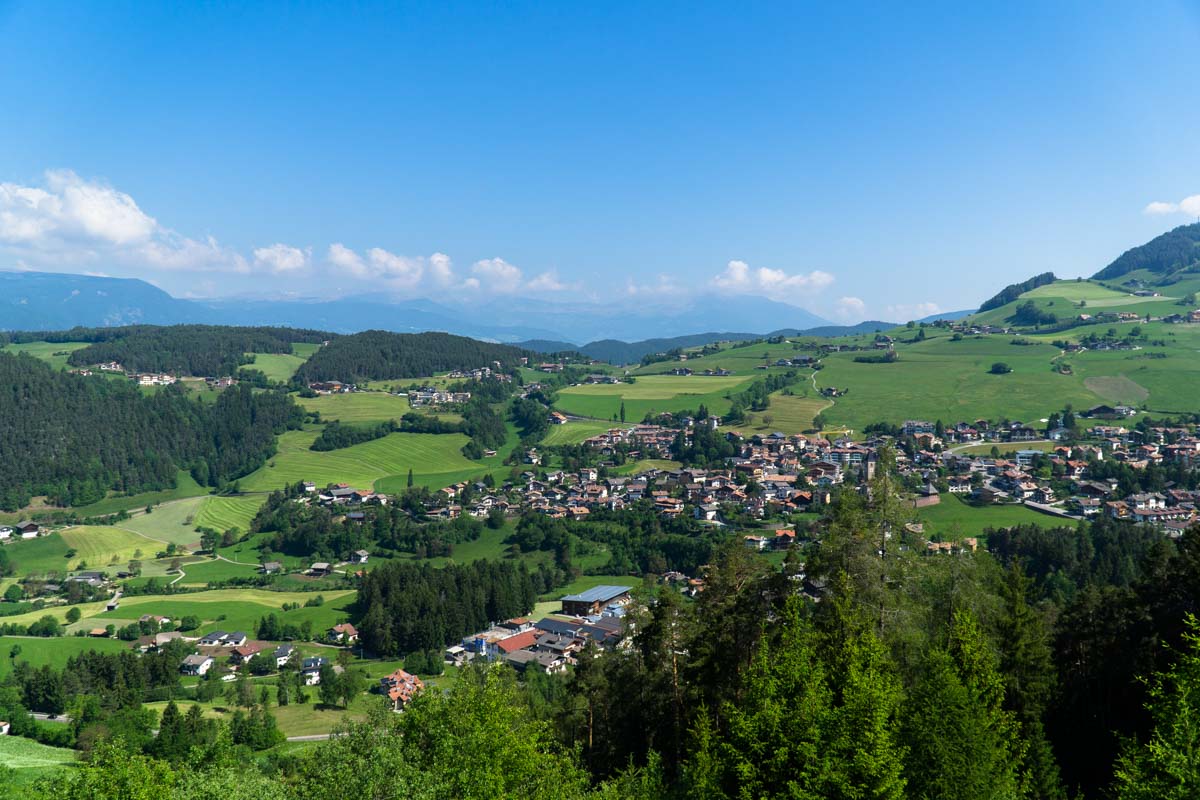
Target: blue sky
x=859, y=162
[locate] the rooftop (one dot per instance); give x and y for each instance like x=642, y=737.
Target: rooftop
x=597, y=594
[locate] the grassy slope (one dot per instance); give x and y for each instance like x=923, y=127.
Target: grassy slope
x=46, y=351
x=651, y=394
x=358, y=406
x=430, y=456
x=185, y=486
x=52, y=652
x=575, y=431
x=223, y=513
x=32, y=760
x=787, y=414
x=278, y=367
x=943, y=379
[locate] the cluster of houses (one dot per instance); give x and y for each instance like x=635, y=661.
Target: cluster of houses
x=237, y=650
x=332, y=387
x=430, y=396
x=481, y=374
x=550, y=645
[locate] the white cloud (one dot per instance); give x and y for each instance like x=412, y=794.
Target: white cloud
x=904, y=312
x=70, y=220
x=281, y=258
x=441, y=269
x=546, y=282
x=497, y=275
x=851, y=309
x=1188, y=205
x=776, y=284
x=401, y=272
x=346, y=260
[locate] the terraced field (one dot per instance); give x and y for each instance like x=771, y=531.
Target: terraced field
x=223, y=513
x=430, y=456
x=650, y=394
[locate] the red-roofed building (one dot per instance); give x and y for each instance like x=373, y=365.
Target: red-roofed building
x=343, y=632
x=401, y=687
x=522, y=641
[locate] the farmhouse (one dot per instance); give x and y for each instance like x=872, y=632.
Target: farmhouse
x=342, y=632
x=28, y=529
x=196, y=665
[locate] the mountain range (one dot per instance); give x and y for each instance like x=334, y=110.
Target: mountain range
x=52, y=301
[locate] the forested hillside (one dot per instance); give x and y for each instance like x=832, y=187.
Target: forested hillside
x=202, y=350
x=73, y=438
x=379, y=355
x=1015, y=290
x=1177, y=249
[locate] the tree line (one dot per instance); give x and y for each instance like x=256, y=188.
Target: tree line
x=201, y=350
x=381, y=355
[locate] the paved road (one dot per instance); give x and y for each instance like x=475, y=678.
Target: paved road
x=1051, y=510
x=63, y=718
x=316, y=737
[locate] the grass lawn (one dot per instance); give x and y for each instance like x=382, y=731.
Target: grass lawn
x=293, y=719
x=645, y=465
x=430, y=456
x=953, y=519
x=223, y=513
x=54, y=652
x=53, y=353
x=32, y=760
x=357, y=406
x=650, y=394
x=576, y=431
x=185, y=487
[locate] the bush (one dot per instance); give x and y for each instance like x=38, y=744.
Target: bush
x=1000, y=368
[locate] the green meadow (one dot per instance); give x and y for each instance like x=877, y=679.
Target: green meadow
x=948, y=380
x=357, y=406
x=432, y=457
x=31, y=761
x=278, y=367
x=575, y=431
x=650, y=394
x=53, y=353
x=54, y=652
x=788, y=414
x=952, y=519
x=223, y=513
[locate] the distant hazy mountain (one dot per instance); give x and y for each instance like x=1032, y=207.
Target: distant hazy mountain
x=619, y=352
x=49, y=301
x=1173, y=251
